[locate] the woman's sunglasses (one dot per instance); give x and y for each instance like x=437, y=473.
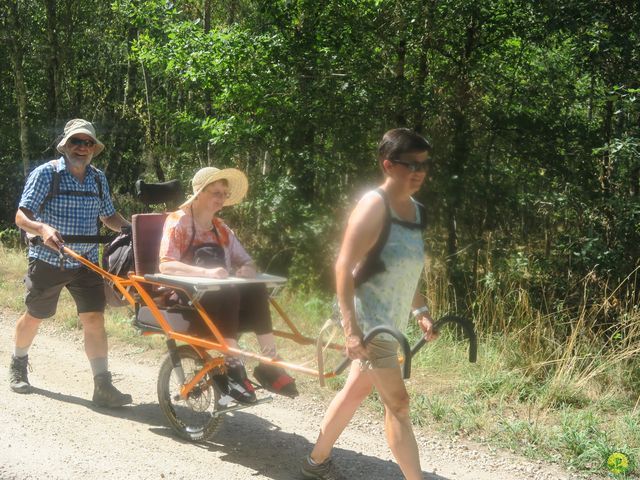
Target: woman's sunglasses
x=413, y=166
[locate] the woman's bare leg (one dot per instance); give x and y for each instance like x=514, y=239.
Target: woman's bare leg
x=340, y=411
x=398, y=429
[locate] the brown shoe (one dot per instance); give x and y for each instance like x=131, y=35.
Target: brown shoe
x=106, y=395
x=18, y=377
x=321, y=471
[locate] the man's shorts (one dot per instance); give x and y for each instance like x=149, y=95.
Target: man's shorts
x=382, y=353
x=44, y=283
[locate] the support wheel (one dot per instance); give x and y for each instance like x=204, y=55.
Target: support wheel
x=192, y=418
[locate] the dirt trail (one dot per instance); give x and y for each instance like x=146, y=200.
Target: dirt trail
x=55, y=433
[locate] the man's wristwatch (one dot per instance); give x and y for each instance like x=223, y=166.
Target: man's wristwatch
x=420, y=310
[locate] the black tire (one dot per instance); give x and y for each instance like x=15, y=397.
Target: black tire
x=193, y=419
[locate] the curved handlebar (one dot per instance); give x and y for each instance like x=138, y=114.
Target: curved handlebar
x=466, y=326
x=374, y=332
x=408, y=352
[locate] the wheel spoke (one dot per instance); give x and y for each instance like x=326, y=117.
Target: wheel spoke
x=192, y=418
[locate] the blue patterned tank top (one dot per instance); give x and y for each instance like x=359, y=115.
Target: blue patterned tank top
x=385, y=298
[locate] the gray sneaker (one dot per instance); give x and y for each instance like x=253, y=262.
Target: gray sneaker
x=18, y=378
x=323, y=471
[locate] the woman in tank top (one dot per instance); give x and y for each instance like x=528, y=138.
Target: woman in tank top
x=386, y=295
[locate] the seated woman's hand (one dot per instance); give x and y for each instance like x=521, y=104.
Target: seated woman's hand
x=218, y=272
x=246, y=271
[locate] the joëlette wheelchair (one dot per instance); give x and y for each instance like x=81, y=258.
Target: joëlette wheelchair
x=187, y=392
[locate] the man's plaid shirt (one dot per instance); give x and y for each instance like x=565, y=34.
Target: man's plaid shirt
x=69, y=214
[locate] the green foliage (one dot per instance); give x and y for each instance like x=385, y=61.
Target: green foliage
x=532, y=109
x=10, y=238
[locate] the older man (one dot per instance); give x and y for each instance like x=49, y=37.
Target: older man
x=67, y=197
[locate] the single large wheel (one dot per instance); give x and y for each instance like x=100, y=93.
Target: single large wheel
x=192, y=418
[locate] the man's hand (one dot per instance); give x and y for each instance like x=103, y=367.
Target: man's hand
x=51, y=237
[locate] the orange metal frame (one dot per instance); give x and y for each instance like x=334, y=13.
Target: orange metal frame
x=201, y=345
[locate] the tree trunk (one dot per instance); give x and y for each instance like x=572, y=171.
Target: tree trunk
x=233, y=11
x=400, y=81
x=605, y=172
x=130, y=81
x=605, y=166
x=461, y=152
x=17, y=56
x=206, y=15
x=208, y=104
x=635, y=182
x=303, y=135
x=423, y=69
x=53, y=67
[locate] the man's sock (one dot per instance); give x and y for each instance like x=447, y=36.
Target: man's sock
x=99, y=365
x=21, y=352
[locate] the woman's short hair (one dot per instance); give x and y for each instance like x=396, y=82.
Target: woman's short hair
x=398, y=141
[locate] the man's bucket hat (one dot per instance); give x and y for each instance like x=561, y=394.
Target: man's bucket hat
x=78, y=125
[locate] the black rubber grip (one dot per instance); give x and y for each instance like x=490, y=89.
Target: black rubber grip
x=374, y=332
x=466, y=326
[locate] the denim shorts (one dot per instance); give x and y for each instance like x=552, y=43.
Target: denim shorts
x=44, y=283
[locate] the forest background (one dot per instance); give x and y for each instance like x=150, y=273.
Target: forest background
x=532, y=108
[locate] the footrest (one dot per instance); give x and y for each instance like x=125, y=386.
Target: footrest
x=242, y=406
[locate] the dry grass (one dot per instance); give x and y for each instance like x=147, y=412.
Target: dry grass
x=553, y=385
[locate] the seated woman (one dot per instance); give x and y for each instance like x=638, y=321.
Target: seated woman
x=195, y=242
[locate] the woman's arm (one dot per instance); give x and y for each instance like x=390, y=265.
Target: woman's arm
x=363, y=229
x=175, y=267
x=422, y=314
x=240, y=259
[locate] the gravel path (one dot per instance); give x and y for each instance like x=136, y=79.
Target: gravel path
x=55, y=433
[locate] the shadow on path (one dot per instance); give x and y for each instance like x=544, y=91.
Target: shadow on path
x=147, y=413
x=258, y=444
x=250, y=441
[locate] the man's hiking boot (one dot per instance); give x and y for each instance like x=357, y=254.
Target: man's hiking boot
x=321, y=471
x=106, y=395
x=18, y=379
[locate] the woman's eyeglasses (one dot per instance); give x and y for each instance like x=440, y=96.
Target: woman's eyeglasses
x=413, y=166
x=219, y=195
x=80, y=142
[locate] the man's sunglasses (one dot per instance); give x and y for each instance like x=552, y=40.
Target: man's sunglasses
x=413, y=166
x=81, y=142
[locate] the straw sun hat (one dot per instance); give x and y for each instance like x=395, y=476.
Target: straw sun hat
x=78, y=125
x=238, y=183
